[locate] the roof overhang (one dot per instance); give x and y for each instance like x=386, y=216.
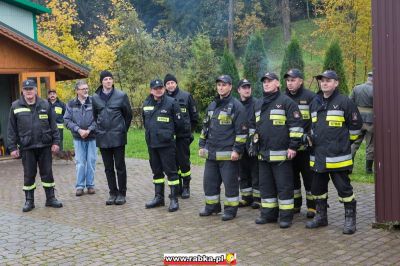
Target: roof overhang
x=29, y=6
x=64, y=67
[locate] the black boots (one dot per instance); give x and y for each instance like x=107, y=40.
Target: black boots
x=173, y=204
x=268, y=215
x=350, y=211
x=229, y=213
x=158, y=198
x=29, y=201
x=209, y=209
x=368, y=166
x=120, y=200
x=111, y=199
x=321, y=217
x=246, y=201
x=51, y=200
x=185, y=192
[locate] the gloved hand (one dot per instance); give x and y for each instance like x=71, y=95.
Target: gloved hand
x=253, y=145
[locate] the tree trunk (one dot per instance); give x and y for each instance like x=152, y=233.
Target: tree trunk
x=285, y=10
x=230, y=27
x=308, y=9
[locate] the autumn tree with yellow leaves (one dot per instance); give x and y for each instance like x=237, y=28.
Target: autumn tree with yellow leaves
x=348, y=21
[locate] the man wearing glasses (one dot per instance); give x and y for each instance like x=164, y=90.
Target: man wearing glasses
x=79, y=119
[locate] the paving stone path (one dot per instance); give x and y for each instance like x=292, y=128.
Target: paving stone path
x=87, y=232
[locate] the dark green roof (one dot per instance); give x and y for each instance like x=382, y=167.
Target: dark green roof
x=30, y=6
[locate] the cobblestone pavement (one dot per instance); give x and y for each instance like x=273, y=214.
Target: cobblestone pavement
x=86, y=231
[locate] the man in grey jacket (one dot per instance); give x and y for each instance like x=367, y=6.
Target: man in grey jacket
x=79, y=119
x=112, y=113
x=362, y=96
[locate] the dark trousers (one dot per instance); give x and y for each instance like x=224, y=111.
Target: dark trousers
x=183, y=157
x=301, y=165
x=248, y=176
x=61, y=131
x=33, y=158
x=276, y=187
x=216, y=173
x=341, y=181
x=162, y=160
x=115, y=156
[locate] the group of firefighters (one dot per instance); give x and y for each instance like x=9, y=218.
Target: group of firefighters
x=258, y=148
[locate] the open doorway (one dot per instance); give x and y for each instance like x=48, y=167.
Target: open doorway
x=9, y=92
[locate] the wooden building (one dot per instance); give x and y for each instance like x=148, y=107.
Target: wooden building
x=23, y=57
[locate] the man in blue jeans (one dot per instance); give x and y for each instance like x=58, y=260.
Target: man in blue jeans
x=79, y=119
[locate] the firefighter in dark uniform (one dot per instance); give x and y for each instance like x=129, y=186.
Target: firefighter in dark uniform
x=33, y=135
x=301, y=163
x=222, y=141
x=59, y=109
x=362, y=96
x=336, y=123
x=278, y=130
x=162, y=120
x=248, y=166
x=190, y=119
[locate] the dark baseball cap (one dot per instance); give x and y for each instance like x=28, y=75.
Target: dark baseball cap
x=51, y=90
x=270, y=76
x=155, y=83
x=294, y=73
x=225, y=79
x=243, y=82
x=29, y=84
x=329, y=74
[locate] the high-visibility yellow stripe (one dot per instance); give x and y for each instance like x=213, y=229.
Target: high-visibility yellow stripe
x=314, y=119
x=43, y=116
x=323, y=196
x=353, y=137
x=277, y=158
x=339, y=164
x=335, y=124
x=44, y=184
x=347, y=199
x=309, y=197
x=60, y=126
x=212, y=201
x=335, y=118
x=286, y=206
x=241, y=138
x=295, y=134
x=148, y=108
x=305, y=114
x=185, y=174
x=223, y=155
x=269, y=204
x=257, y=118
x=19, y=110
x=163, y=119
x=173, y=182
x=58, y=110
x=158, y=181
x=231, y=203
x=29, y=187
x=183, y=110
x=278, y=122
x=277, y=117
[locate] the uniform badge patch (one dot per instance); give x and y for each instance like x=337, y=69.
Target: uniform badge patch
x=163, y=111
x=278, y=106
x=355, y=116
x=303, y=102
x=296, y=114
x=335, y=106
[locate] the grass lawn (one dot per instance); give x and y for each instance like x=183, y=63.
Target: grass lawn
x=137, y=148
